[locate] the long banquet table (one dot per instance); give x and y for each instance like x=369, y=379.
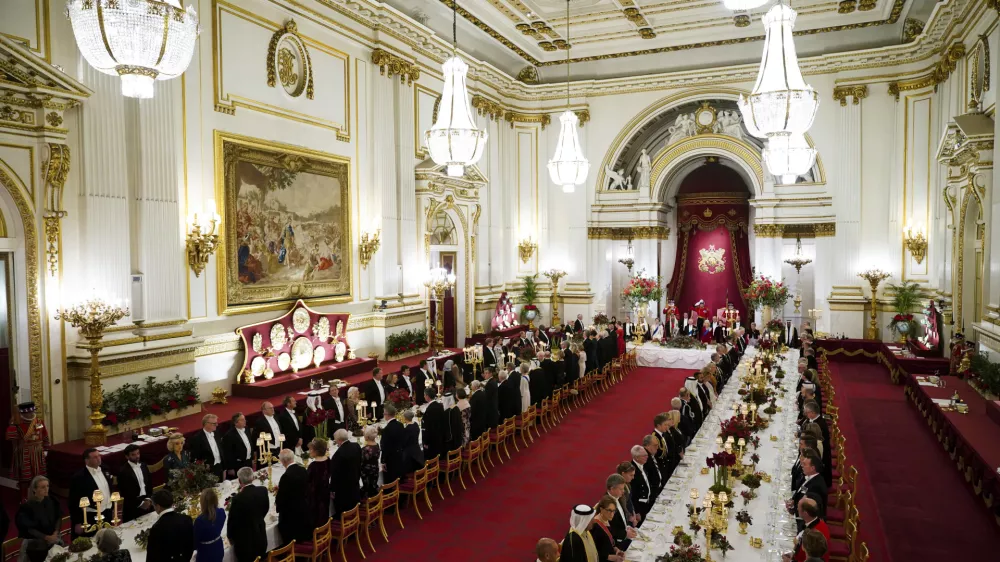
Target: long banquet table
x=651, y=354
x=771, y=522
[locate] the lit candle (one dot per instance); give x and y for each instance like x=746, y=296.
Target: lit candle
x=730, y=440
x=718, y=440
x=694, y=493
x=707, y=504
x=742, y=442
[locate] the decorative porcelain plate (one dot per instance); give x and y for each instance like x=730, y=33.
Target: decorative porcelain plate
x=340, y=350
x=284, y=360
x=257, y=366
x=319, y=354
x=302, y=353
x=258, y=343
x=278, y=336
x=322, y=329
x=300, y=320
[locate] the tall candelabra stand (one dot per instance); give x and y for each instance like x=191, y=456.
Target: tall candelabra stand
x=714, y=518
x=474, y=357
x=99, y=521
x=438, y=281
x=874, y=277
x=554, y=276
x=265, y=455
x=92, y=317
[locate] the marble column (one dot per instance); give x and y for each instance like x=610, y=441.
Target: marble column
x=412, y=266
x=385, y=182
x=847, y=196
x=368, y=208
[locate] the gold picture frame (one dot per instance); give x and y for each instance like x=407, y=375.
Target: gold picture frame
x=279, y=243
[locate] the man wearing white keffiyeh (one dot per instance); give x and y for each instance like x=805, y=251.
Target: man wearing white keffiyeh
x=578, y=546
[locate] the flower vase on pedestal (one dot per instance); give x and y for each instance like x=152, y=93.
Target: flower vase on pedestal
x=765, y=315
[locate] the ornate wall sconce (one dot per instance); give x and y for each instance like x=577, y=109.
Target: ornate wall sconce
x=916, y=243
x=526, y=248
x=369, y=244
x=201, y=241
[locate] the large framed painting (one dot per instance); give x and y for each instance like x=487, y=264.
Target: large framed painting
x=286, y=222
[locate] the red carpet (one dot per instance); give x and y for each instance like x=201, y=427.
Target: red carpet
x=531, y=495
x=914, y=504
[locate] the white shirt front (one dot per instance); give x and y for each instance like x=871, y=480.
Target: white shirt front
x=381, y=391
x=295, y=419
x=409, y=385
x=275, y=431
x=164, y=512
x=214, y=446
x=340, y=407
x=137, y=469
x=102, y=485
x=242, y=432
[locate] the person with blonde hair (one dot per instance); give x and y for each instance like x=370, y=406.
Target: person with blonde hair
x=208, y=528
x=370, y=468
x=177, y=458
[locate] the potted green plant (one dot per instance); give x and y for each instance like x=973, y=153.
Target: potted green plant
x=905, y=297
x=528, y=296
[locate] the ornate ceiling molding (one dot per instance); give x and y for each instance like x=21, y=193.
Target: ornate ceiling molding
x=941, y=71
x=628, y=233
x=811, y=230
x=857, y=92
x=395, y=65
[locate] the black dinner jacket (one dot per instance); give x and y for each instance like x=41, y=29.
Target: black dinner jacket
x=128, y=487
x=577, y=325
x=492, y=392
x=393, y=442
x=696, y=409
x=653, y=476
x=235, y=454
x=293, y=520
x=618, y=527
x=245, y=528
x=345, y=474
x=413, y=453
x=509, y=397
x=590, y=349
x=291, y=430
x=543, y=337
x=537, y=385
x=435, y=430
x=337, y=421
x=171, y=538
x=201, y=451
x=489, y=357
x=260, y=425
x=419, y=380
x=689, y=423
x=477, y=418
x=719, y=334
x=370, y=392
x=797, y=475
x=551, y=376
x=642, y=495
x=409, y=386
x=571, y=367
x=814, y=488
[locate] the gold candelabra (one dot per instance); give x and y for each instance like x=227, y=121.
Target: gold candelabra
x=99, y=521
x=474, y=357
x=916, y=243
x=526, y=248
x=202, y=241
x=92, y=317
x=438, y=281
x=265, y=456
x=874, y=277
x=369, y=244
x=714, y=517
x=554, y=276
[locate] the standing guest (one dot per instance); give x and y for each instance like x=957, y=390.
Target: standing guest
x=812, y=486
x=391, y=382
x=292, y=519
x=171, y=538
x=335, y=409
x=317, y=485
x=492, y=402
x=812, y=411
x=621, y=530
x=375, y=391
x=581, y=359
x=478, y=406
x=590, y=351
x=345, y=473
x=268, y=423
x=607, y=550
x=508, y=402
x=288, y=423
x=351, y=411
x=547, y=550
x=686, y=424
x=489, y=356
x=176, y=458
x=393, y=441
x=816, y=546
x=38, y=518
x=135, y=485
x=570, y=362
x=423, y=374
x=675, y=439
x=578, y=323
x=109, y=547
x=692, y=406
x=406, y=383
x=620, y=338
x=578, y=545
x=434, y=426
x=537, y=385
x=627, y=471
x=205, y=447
x=657, y=479
x=548, y=367
x=83, y=484
x=208, y=528
x=525, y=387
x=246, y=530
x=809, y=513
x=419, y=380
x=641, y=492
x=236, y=448
x=370, y=462
x=465, y=412
x=413, y=453
x=659, y=433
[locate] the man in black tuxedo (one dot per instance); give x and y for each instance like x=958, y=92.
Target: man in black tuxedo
x=334, y=406
x=695, y=407
x=621, y=531
x=653, y=473
x=206, y=447
x=345, y=472
x=434, y=425
x=718, y=331
x=629, y=327
x=245, y=528
x=542, y=335
x=578, y=323
x=237, y=451
x=413, y=453
x=642, y=492
x=536, y=385
x=375, y=391
x=590, y=349
x=406, y=383
x=812, y=486
x=806, y=443
x=393, y=442
x=288, y=421
x=477, y=414
x=551, y=373
x=810, y=355
x=687, y=426
x=523, y=341
x=268, y=423
x=790, y=335
x=492, y=391
x=489, y=356
x=83, y=484
x=293, y=519
x=812, y=417
x=512, y=402
x=135, y=485
x=171, y=538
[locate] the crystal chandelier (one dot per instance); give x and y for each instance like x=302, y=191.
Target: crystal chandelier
x=454, y=141
x=788, y=157
x=781, y=101
x=138, y=40
x=568, y=167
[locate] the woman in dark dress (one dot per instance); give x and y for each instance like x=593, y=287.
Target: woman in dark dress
x=456, y=426
x=177, y=458
x=38, y=518
x=351, y=410
x=318, y=483
x=370, y=454
x=605, y=543
x=208, y=528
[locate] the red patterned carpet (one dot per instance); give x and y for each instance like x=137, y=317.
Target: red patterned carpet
x=531, y=495
x=914, y=504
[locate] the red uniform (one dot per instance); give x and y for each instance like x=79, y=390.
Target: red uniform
x=820, y=526
x=30, y=439
x=701, y=311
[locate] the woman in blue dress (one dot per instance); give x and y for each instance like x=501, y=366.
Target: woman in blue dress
x=208, y=528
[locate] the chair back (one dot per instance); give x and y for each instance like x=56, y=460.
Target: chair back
x=508, y=427
x=283, y=554
x=322, y=537
x=433, y=467
x=373, y=507
x=11, y=549
x=390, y=494
x=351, y=520
x=420, y=479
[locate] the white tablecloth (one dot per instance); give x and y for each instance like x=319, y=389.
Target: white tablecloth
x=654, y=355
x=771, y=521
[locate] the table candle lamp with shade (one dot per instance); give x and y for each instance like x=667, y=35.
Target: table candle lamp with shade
x=99, y=521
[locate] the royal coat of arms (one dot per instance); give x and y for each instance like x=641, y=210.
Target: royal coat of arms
x=712, y=261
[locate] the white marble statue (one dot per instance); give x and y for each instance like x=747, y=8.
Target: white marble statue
x=644, y=168
x=729, y=123
x=683, y=127
x=617, y=181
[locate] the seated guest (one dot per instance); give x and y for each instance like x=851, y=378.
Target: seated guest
x=293, y=521
x=135, y=485
x=654, y=475
x=607, y=550
x=237, y=451
x=627, y=471
x=38, y=518
x=318, y=485
x=621, y=530
x=370, y=468
x=547, y=550
x=809, y=514
x=578, y=544
x=413, y=453
x=393, y=442
x=205, y=447
x=288, y=423
x=83, y=484
x=812, y=486
x=208, y=527
x=109, y=548
x=268, y=423
x=434, y=426
x=176, y=458
x=248, y=507
x=171, y=538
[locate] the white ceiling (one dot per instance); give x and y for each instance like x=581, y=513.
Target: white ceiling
x=612, y=38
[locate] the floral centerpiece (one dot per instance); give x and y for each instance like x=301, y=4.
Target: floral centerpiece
x=80, y=544
x=763, y=291
x=61, y=557
x=752, y=482
x=318, y=420
x=775, y=326
x=641, y=290
x=736, y=427
x=720, y=542
x=683, y=342
x=142, y=539
x=188, y=482
x=401, y=400
x=743, y=517
x=690, y=553
x=601, y=319
x=721, y=463
x=406, y=342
